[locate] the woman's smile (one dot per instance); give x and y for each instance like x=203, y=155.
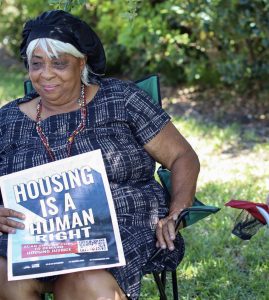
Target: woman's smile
x=50, y=87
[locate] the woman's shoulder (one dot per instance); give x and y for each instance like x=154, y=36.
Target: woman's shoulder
x=8, y=110
x=9, y=106
x=7, y=114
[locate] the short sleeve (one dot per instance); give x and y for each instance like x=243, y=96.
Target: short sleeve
x=145, y=118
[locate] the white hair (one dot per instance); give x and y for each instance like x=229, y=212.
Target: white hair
x=52, y=48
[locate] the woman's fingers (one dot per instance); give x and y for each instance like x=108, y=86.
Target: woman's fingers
x=159, y=233
x=169, y=234
x=165, y=233
x=8, y=225
x=8, y=212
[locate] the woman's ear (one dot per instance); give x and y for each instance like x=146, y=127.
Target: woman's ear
x=83, y=62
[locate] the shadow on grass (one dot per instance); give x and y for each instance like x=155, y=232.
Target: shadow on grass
x=228, y=138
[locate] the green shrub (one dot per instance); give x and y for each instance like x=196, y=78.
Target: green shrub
x=201, y=42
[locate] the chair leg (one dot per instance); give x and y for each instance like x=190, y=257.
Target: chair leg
x=174, y=283
x=163, y=278
x=160, y=286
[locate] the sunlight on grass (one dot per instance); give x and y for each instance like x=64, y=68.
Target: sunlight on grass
x=190, y=271
x=222, y=259
x=217, y=139
x=217, y=264
x=261, y=147
x=225, y=153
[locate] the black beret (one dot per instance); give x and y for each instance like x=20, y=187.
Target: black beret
x=61, y=25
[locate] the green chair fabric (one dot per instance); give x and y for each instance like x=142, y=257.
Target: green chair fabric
x=197, y=212
x=151, y=86
x=28, y=87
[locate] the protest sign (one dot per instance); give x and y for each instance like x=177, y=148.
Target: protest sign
x=70, y=223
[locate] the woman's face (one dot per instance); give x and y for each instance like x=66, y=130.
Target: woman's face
x=56, y=79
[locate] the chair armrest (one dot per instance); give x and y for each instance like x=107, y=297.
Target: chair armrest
x=189, y=215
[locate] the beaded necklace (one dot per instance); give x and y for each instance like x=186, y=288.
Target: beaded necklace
x=83, y=110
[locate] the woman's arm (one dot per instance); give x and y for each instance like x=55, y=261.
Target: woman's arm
x=170, y=149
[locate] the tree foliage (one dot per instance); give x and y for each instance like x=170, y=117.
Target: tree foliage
x=208, y=42
x=66, y=4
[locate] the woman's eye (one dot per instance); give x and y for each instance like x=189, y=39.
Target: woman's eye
x=35, y=65
x=59, y=64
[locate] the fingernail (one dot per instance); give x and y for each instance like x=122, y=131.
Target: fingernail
x=171, y=248
x=163, y=247
x=1, y=233
x=13, y=231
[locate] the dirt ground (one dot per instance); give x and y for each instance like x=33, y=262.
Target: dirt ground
x=234, y=162
x=221, y=106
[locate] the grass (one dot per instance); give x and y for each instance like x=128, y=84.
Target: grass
x=217, y=265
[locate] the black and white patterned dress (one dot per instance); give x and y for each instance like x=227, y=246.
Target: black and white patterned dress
x=121, y=119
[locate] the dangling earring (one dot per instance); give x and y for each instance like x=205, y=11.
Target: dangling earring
x=84, y=75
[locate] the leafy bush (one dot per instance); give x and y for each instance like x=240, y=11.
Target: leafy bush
x=204, y=42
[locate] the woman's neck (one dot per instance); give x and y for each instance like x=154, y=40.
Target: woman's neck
x=63, y=104
x=50, y=109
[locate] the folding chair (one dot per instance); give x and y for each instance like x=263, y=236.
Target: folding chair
x=252, y=217
x=187, y=217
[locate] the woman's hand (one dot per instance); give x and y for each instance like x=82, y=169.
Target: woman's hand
x=8, y=225
x=166, y=232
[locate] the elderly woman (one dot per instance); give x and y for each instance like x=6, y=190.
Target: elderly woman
x=73, y=110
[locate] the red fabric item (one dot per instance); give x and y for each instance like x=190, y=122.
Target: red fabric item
x=250, y=207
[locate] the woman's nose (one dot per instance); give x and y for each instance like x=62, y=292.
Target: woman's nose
x=47, y=72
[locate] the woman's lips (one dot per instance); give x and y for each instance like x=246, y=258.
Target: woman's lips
x=49, y=88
